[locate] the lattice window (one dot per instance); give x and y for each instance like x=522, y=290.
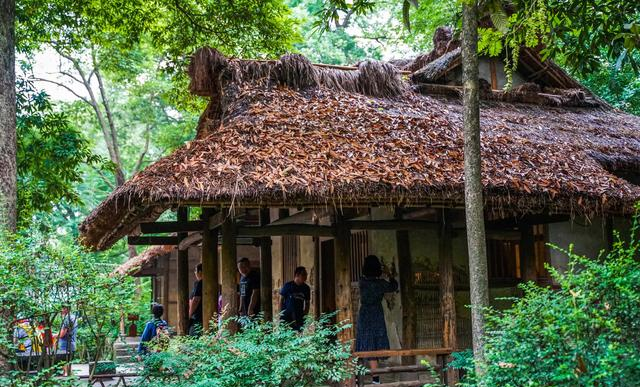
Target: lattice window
x=503, y=259
x=290, y=256
x=359, y=250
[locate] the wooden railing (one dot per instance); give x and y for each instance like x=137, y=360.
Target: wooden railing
x=441, y=355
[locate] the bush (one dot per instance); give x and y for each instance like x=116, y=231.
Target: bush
x=38, y=275
x=587, y=333
x=262, y=354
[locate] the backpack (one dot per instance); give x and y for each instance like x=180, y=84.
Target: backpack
x=161, y=340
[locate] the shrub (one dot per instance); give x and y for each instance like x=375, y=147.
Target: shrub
x=587, y=333
x=263, y=354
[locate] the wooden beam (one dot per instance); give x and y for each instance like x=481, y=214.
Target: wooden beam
x=407, y=295
x=285, y=229
x=209, y=259
x=528, y=219
x=183, y=278
x=391, y=224
x=192, y=240
x=153, y=240
x=163, y=227
x=228, y=269
x=309, y=215
x=342, y=256
x=266, y=304
x=404, y=352
x=447, y=288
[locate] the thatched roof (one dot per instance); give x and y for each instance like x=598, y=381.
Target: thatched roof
x=134, y=265
x=287, y=133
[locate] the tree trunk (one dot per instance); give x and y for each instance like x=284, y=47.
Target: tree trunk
x=8, y=210
x=479, y=287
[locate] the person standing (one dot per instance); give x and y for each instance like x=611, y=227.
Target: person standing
x=249, y=289
x=195, y=304
x=371, y=332
x=66, y=338
x=294, y=299
x=154, y=328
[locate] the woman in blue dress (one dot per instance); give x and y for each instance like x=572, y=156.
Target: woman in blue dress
x=371, y=334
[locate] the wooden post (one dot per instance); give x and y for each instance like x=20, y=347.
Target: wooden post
x=407, y=295
x=447, y=289
x=528, y=269
x=228, y=269
x=209, y=258
x=317, y=288
x=183, y=278
x=266, y=304
x=342, y=252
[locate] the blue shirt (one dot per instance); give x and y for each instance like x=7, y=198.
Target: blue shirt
x=150, y=331
x=67, y=343
x=294, y=299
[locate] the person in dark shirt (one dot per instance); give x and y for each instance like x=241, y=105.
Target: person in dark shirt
x=249, y=289
x=195, y=304
x=371, y=329
x=294, y=299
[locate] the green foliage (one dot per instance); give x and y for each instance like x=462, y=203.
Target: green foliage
x=41, y=273
x=50, y=153
x=262, y=354
x=584, y=334
x=616, y=83
x=336, y=46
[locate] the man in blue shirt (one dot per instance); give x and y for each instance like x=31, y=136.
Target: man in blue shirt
x=153, y=328
x=294, y=299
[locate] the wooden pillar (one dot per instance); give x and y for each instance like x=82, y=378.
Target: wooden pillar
x=315, y=301
x=407, y=295
x=447, y=289
x=209, y=259
x=528, y=269
x=165, y=282
x=342, y=256
x=266, y=304
x=228, y=269
x=183, y=278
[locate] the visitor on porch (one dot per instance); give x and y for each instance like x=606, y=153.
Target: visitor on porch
x=294, y=299
x=195, y=304
x=371, y=334
x=153, y=328
x=249, y=289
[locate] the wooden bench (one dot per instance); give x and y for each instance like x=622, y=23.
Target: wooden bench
x=441, y=355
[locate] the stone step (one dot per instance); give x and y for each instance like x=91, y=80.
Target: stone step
x=125, y=359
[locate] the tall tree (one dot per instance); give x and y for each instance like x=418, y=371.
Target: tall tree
x=8, y=198
x=474, y=205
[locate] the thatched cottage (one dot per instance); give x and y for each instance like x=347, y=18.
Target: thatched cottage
x=319, y=165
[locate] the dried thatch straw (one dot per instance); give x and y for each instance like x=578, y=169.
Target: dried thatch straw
x=211, y=71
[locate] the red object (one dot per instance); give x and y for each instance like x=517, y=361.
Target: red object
x=133, y=330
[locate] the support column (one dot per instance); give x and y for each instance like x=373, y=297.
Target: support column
x=342, y=252
x=528, y=269
x=407, y=295
x=266, y=303
x=183, y=278
x=209, y=259
x=228, y=269
x=447, y=289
